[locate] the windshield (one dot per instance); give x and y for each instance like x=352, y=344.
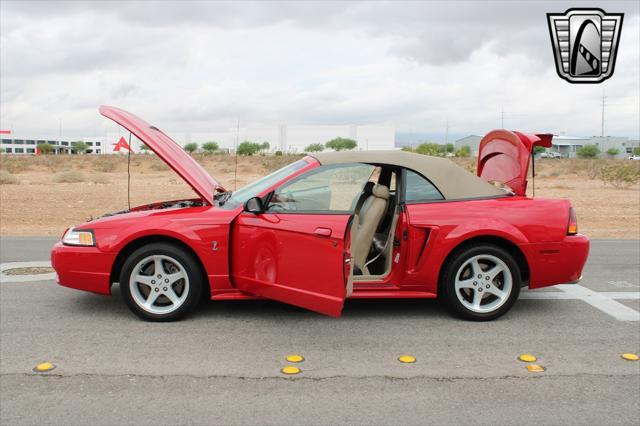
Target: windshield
x=255, y=188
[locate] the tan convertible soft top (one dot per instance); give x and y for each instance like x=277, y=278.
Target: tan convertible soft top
x=453, y=181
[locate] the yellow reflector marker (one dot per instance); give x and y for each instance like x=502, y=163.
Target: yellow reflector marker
x=527, y=358
x=407, y=359
x=295, y=358
x=535, y=368
x=289, y=369
x=43, y=367
x=630, y=357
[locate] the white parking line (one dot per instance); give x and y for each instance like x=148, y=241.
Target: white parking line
x=603, y=301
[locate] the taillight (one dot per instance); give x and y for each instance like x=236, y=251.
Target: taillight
x=572, y=229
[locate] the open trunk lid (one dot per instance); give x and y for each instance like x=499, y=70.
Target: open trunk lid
x=168, y=150
x=504, y=157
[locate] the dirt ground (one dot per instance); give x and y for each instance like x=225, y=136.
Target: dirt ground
x=40, y=203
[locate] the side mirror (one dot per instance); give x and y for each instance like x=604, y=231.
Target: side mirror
x=254, y=205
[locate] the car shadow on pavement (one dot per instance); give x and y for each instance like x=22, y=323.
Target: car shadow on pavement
x=358, y=309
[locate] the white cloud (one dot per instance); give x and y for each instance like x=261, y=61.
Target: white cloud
x=198, y=66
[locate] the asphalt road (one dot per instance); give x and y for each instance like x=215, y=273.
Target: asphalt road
x=222, y=365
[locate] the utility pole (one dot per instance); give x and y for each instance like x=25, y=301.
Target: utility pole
x=446, y=133
x=603, y=103
x=502, y=117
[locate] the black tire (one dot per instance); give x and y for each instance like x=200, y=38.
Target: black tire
x=453, y=268
x=185, y=260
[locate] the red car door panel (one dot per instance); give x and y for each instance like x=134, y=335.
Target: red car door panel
x=293, y=258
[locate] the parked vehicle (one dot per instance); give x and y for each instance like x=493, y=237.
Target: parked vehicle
x=330, y=227
x=550, y=154
x=634, y=157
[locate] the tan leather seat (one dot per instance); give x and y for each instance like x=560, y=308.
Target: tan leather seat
x=366, y=222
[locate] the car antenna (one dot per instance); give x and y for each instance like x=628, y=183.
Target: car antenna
x=129, y=173
x=235, y=171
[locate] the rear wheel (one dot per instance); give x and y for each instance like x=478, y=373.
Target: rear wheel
x=161, y=282
x=482, y=282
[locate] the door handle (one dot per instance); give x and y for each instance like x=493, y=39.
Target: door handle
x=322, y=232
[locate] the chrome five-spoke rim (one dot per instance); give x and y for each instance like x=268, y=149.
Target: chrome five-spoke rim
x=159, y=284
x=483, y=283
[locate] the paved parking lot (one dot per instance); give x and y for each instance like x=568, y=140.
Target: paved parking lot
x=222, y=365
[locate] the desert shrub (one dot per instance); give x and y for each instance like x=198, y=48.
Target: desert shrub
x=278, y=154
x=341, y=144
x=98, y=178
x=159, y=166
x=314, y=147
x=68, y=176
x=210, y=147
x=621, y=175
x=464, y=151
x=104, y=164
x=7, y=178
x=14, y=165
x=588, y=151
x=248, y=148
x=191, y=147
x=592, y=169
x=612, y=152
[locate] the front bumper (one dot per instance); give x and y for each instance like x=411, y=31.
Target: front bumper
x=83, y=268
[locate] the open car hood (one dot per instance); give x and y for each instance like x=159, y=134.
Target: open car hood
x=168, y=150
x=504, y=157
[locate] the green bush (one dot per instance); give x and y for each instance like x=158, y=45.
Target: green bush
x=588, y=151
x=210, y=147
x=612, y=152
x=278, y=153
x=191, y=147
x=636, y=150
x=314, y=147
x=341, y=144
x=248, y=148
x=45, y=148
x=79, y=147
x=464, y=151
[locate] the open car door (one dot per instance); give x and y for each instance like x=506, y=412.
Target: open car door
x=299, y=259
x=504, y=157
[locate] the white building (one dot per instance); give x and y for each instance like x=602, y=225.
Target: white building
x=286, y=138
x=27, y=144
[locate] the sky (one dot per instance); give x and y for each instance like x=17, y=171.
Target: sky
x=201, y=66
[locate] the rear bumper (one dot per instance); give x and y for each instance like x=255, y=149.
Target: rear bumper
x=557, y=263
x=82, y=268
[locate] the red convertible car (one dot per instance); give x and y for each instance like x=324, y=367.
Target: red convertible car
x=330, y=227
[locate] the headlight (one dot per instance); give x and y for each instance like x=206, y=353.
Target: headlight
x=78, y=238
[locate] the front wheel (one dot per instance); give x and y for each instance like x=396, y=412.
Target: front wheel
x=161, y=282
x=482, y=282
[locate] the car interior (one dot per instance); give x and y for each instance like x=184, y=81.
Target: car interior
x=372, y=230
x=374, y=204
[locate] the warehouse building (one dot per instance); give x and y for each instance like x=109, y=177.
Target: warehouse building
x=568, y=145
